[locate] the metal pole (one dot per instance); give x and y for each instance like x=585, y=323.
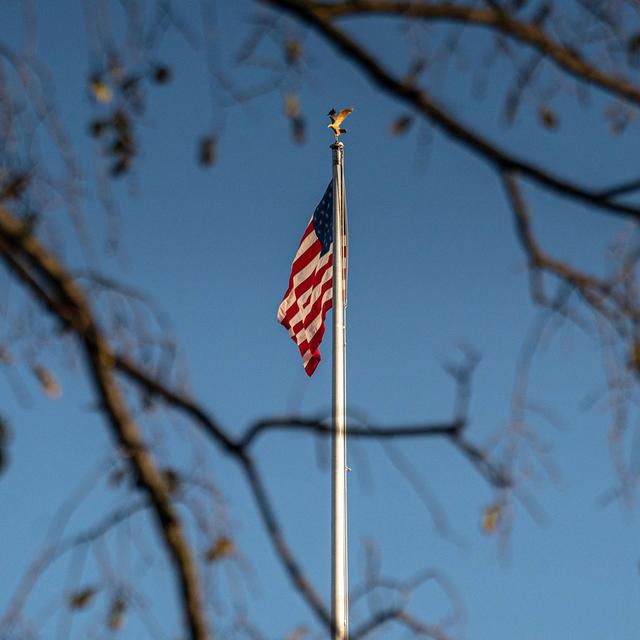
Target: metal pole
x=340, y=569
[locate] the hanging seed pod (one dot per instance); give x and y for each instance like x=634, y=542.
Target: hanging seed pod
x=548, y=118
x=401, y=125
x=221, y=548
x=293, y=51
x=491, y=518
x=47, y=381
x=161, y=74
x=207, y=151
x=100, y=90
x=82, y=598
x=116, y=616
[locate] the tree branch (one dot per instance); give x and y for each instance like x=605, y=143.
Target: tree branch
x=319, y=427
x=599, y=294
x=70, y=306
x=420, y=101
x=528, y=33
x=51, y=553
x=39, y=271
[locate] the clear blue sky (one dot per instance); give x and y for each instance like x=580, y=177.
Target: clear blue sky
x=434, y=261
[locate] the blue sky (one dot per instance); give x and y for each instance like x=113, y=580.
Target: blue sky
x=434, y=262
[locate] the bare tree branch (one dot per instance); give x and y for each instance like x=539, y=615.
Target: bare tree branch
x=497, y=19
x=599, y=294
x=66, y=305
x=320, y=427
x=70, y=306
x=51, y=553
x=113, y=369
x=419, y=100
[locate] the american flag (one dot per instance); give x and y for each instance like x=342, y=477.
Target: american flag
x=310, y=292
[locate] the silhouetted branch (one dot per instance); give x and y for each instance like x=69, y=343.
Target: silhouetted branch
x=496, y=19
x=51, y=553
x=376, y=621
x=419, y=628
x=69, y=306
x=320, y=427
x=418, y=99
x=622, y=189
x=283, y=550
x=68, y=303
x=114, y=370
x=601, y=295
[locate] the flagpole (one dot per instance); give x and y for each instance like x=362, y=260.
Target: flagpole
x=339, y=556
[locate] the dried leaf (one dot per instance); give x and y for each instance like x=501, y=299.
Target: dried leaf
x=298, y=129
x=293, y=51
x=401, y=125
x=161, y=74
x=633, y=49
x=98, y=127
x=221, y=548
x=5, y=355
x=292, y=107
x=491, y=518
x=47, y=381
x=123, y=146
x=634, y=360
x=548, y=118
x=120, y=122
x=207, y=151
x=115, y=619
x=297, y=634
x=100, y=90
x=80, y=599
x=14, y=187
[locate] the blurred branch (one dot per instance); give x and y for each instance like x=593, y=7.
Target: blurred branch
x=53, y=552
x=52, y=286
x=601, y=295
x=497, y=19
x=319, y=427
x=55, y=288
x=283, y=551
x=15, y=247
x=614, y=304
x=393, y=606
x=419, y=100
x=239, y=450
x=376, y=621
x=419, y=628
x=622, y=189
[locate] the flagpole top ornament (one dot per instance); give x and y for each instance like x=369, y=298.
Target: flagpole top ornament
x=337, y=118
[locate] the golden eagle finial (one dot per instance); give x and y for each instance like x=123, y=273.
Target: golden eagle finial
x=336, y=121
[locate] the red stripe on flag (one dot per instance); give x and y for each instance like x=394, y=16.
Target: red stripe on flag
x=301, y=318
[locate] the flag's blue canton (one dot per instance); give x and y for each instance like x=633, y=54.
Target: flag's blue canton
x=323, y=220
